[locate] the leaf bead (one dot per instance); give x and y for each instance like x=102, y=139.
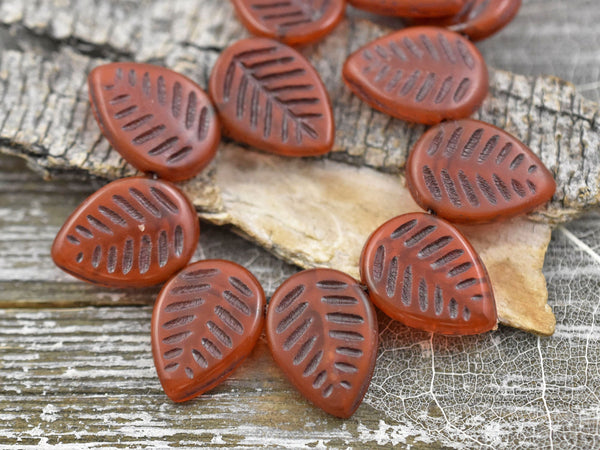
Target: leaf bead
x=421, y=74
x=159, y=120
x=411, y=8
x=322, y=332
x=479, y=19
x=423, y=272
x=472, y=172
x=132, y=232
x=269, y=96
x=206, y=321
x=293, y=22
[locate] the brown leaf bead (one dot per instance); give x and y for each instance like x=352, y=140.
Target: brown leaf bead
x=159, y=120
x=479, y=19
x=472, y=172
x=411, y=8
x=421, y=271
x=421, y=74
x=322, y=332
x=269, y=96
x=206, y=321
x=293, y=22
x=132, y=232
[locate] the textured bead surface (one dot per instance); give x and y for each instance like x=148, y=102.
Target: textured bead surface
x=421, y=271
x=410, y=8
x=132, y=232
x=159, y=120
x=472, y=172
x=269, y=96
x=479, y=19
x=421, y=74
x=322, y=331
x=206, y=320
x=293, y=22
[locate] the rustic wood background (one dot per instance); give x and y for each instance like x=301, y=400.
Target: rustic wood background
x=75, y=362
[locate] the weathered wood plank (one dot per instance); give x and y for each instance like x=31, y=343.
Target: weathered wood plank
x=75, y=376
x=84, y=376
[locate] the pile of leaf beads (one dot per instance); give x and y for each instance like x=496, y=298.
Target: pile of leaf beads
x=320, y=324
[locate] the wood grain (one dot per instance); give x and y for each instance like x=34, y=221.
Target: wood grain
x=91, y=379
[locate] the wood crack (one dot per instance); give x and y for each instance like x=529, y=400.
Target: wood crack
x=21, y=37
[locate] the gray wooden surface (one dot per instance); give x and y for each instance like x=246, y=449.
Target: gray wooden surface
x=75, y=362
